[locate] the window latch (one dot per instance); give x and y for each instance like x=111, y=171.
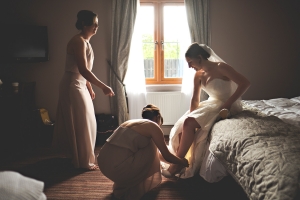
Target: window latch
x=162, y=45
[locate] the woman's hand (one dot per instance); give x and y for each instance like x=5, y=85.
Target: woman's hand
x=224, y=113
x=90, y=89
x=242, y=83
x=92, y=93
x=185, y=162
x=225, y=106
x=108, y=91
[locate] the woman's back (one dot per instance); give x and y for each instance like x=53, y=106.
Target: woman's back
x=141, y=126
x=130, y=159
x=71, y=63
x=127, y=137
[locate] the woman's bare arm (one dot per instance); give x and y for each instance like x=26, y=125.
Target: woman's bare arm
x=242, y=82
x=159, y=140
x=196, y=92
x=79, y=49
x=91, y=91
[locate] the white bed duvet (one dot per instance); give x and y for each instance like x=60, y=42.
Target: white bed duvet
x=236, y=141
x=288, y=110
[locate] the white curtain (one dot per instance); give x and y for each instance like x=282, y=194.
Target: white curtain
x=199, y=25
x=188, y=73
x=135, y=77
x=186, y=88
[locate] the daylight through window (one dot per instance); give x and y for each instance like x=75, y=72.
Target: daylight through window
x=165, y=36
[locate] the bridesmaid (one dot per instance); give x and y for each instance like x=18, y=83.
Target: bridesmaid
x=130, y=157
x=75, y=129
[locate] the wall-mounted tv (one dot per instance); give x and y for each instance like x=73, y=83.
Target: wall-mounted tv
x=23, y=43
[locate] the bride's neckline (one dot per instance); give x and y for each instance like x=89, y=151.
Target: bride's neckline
x=213, y=80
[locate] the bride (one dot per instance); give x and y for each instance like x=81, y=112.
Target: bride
x=225, y=86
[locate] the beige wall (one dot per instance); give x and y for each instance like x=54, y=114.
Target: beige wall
x=60, y=17
x=261, y=40
x=258, y=38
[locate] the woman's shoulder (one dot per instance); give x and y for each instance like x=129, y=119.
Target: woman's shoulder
x=141, y=124
x=76, y=40
x=134, y=122
x=222, y=66
x=199, y=74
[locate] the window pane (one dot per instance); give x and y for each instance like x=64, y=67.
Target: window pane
x=147, y=15
x=176, y=35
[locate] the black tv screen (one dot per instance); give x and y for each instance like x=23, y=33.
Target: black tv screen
x=24, y=44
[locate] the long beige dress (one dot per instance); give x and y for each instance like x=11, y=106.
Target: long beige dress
x=131, y=161
x=75, y=127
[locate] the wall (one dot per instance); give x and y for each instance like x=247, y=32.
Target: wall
x=261, y=40
x=258, y=38
x=60, y=17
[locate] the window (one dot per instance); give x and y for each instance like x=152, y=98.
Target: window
x=165, y=34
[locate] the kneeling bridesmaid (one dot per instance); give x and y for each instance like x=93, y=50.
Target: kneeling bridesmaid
x=131, y=155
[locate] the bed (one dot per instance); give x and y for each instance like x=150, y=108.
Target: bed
x=260, y=147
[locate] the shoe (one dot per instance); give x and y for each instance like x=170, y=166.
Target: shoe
x=167, y=174
x=93, y=168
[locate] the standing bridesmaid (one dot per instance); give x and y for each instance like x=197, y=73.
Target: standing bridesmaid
x=75, y=129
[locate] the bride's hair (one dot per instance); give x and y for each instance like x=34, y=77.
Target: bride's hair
x=150, y=111
x=85, y=18
x=195, y=50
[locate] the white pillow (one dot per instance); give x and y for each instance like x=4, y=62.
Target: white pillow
x=14, y=185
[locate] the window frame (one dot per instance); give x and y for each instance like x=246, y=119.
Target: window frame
x=159, y=37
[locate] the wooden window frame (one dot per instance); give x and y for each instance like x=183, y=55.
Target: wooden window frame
x=159, y=37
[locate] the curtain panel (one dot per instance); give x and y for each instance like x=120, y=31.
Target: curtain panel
x=123, y=19
x=135, y=76
x=199, y=25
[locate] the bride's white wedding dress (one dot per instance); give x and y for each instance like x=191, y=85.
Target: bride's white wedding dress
x=206, y=114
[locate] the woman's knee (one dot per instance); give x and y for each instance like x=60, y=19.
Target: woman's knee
x=190, y=123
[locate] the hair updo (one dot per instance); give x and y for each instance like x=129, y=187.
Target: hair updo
x=150, y=111
x=195, y=50
x=85, y=18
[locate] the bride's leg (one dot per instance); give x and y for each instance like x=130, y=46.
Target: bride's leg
x=186, y=140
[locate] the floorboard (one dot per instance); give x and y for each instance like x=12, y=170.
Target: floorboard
x=62, y=181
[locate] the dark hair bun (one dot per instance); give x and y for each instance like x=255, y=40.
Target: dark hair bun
x=85, y=18
x=195, y=50
x=150, y=111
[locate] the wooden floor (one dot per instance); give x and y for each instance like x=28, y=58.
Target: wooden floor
x=62, y=181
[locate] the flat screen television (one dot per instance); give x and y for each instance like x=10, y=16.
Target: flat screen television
x=23, y=44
